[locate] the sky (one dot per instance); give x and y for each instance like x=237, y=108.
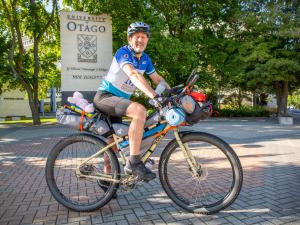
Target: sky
x=49, y=6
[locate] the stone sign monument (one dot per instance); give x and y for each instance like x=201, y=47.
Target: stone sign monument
x=86, y=52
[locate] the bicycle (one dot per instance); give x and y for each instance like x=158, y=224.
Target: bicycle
x=199, y=171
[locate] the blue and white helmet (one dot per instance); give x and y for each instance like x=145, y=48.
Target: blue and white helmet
x=138, y=27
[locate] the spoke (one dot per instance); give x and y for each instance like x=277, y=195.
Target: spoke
x=208, y=188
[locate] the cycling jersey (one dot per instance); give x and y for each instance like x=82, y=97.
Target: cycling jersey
x=116, y=81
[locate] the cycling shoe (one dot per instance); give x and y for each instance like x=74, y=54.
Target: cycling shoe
x=140, y=170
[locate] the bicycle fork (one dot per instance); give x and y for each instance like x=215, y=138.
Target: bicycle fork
x=187, y=154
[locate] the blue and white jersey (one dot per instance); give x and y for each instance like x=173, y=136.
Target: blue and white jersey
x=116, y=81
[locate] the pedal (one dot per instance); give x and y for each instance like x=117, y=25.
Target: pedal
x=127, y=171
x=129, y=182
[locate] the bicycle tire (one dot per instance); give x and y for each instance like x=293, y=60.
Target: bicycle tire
x=70, y=194
x=212, y=145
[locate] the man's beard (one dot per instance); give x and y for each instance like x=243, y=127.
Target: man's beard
x=136, y=51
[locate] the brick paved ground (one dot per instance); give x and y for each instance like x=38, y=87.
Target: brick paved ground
x=270, y=155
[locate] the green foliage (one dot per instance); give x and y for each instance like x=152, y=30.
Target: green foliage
x=294, y=99
x=47, y=108
x=267, y=48
x=244, y=111
x=30, y=68
x=49, y=49
x=49, y=75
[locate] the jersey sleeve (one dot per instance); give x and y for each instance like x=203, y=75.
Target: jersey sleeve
x=150, y=68
x=123, y=57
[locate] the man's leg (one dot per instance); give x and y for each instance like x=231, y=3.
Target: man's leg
x=107, y=168
x=116, y=106
x=136, y=129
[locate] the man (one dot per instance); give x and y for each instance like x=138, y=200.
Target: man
x=124, y=76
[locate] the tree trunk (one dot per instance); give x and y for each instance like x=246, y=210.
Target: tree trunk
x=34, y=108
x=240, y=98
x=281, y=97
x=35, y=111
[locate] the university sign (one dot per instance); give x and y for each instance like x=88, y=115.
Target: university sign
x=86, y=51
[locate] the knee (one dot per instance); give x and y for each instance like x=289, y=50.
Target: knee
x=140, y=112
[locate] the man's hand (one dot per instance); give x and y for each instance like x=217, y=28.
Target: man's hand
x=159, y=101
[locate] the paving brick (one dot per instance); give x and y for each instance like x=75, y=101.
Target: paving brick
x=149, y=217
x=123, y=212
x=234, y=220
x=28, y=219
x=139, y=212
x=15, y=221
x=62, y=219
x=122, y=222
x=85, y=222
x=110, y=223
x=253, y=220
x=217, y=221
x=166, y=217
x=132, y=219
x=113, y=218
x=96, y=219
x=77, y=219
x=269, y=196
x=181, y=222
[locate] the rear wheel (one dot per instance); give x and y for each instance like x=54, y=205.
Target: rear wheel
x=78, y=193
x=218, y=180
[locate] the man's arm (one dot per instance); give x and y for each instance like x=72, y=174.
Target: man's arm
x=138, y=80
x=157, y=79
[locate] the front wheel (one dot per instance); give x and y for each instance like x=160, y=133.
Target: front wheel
x=217, y=182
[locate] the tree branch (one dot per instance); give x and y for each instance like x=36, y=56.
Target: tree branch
x=43, y=30
x=16, y=26
x=13, y=44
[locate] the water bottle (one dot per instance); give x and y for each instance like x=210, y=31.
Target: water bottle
x=149, y=163
x=152, y=119
x=145, y=145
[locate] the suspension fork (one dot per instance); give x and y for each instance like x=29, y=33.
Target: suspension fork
x=187, y=153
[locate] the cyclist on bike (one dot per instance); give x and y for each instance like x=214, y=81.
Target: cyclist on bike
x=124, y=76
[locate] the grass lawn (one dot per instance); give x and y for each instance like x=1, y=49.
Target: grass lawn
x=43, y=120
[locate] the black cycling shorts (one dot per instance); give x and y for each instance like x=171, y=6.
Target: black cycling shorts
x=110, y=104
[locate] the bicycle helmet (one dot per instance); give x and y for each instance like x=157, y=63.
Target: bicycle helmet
x=138, y=27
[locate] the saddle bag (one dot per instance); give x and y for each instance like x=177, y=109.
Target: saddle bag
x=79, y=120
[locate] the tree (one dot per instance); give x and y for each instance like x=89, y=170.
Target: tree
x=268, y=50
x=29, y=19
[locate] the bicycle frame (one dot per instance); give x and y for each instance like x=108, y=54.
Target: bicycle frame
x=159, y=136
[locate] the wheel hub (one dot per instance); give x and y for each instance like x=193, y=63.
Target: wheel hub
x=201, y=173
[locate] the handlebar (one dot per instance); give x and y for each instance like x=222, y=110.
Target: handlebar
x=192, y=78
x=175, y=93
